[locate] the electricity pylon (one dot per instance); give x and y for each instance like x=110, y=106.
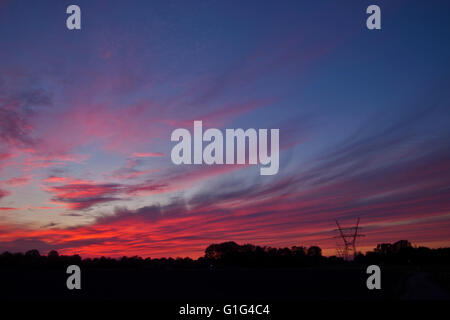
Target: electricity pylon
x=348, y=236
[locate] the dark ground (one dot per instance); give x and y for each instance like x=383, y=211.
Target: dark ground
x=345, y=282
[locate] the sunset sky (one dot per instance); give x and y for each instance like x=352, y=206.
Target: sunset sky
x=86, y=117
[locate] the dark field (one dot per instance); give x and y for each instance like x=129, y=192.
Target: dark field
x=347, y=282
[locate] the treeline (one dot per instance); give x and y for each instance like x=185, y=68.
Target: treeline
x=232, y=254
x=402, y=252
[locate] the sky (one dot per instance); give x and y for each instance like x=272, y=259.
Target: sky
x=86, y=118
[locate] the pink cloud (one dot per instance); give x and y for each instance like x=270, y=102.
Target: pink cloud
x=18, y=181
x=127, y=174
x=147, y=154
x=54, y=179
x=6, y=155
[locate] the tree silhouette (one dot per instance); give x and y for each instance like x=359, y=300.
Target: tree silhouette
x=232, y=254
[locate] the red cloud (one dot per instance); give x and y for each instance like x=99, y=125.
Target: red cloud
x=4, y=193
